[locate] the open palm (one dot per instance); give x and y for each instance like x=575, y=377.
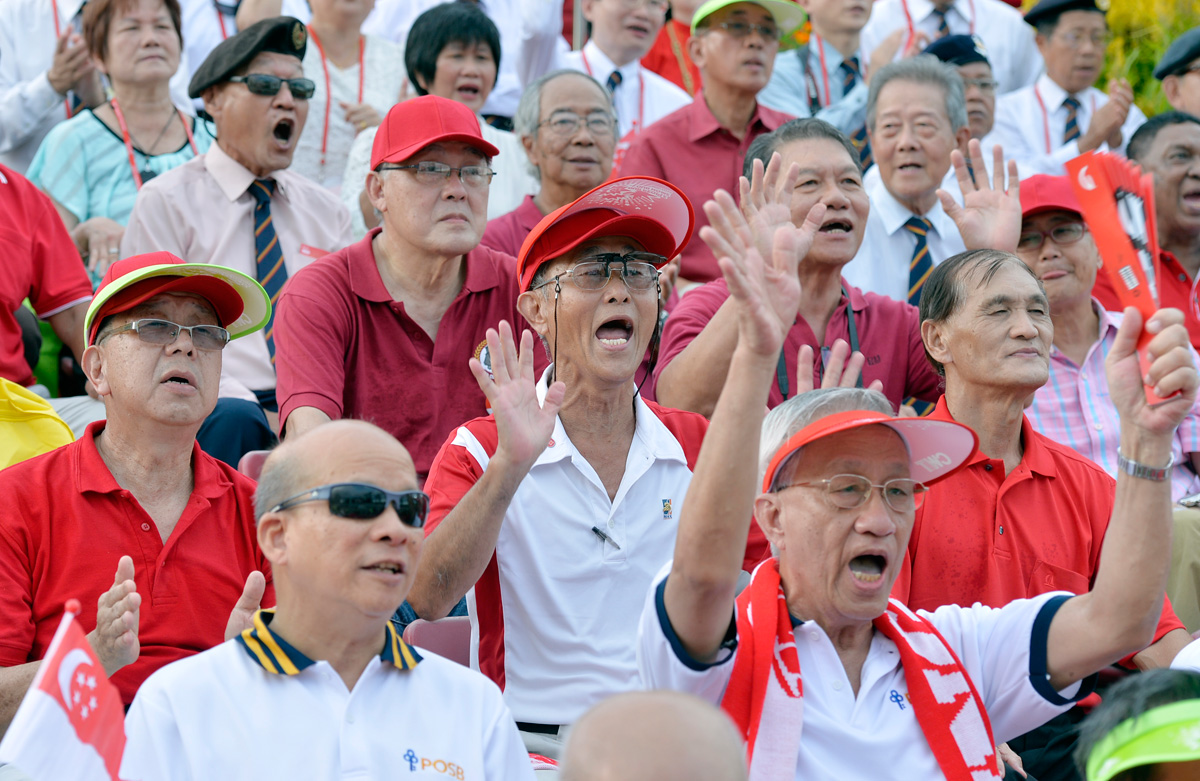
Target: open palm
x=990, y=217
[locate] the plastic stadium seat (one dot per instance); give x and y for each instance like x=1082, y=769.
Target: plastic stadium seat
x=449, y=637
x=251, y=464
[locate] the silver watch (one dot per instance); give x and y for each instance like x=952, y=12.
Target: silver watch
x=1134, y=469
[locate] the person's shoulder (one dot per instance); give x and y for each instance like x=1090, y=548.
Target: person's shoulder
x=704, y=299
x=301, y=186
x=192, y=677
x=665, y=85
x=1071, y=460
x=174, y=181
x=36, y=471
x=684, y=424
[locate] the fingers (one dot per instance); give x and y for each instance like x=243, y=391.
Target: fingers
x=554, y=398
x=1125, y=342
x=997, y=169
x=835, y=364
x=1014, y=180
x=804, y=369
x=525, y=355
x=965, y=184
x=950, y=206
x=976, y=153
x=509, y=345
x=124, y=571
x=252, y=593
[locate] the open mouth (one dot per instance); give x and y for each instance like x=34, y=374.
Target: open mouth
x=868, y=568
x=180, y=378
x=283, y=130
x=468, y=91
x=388, y=567
x=638, y=29
x=615, y=332
x=837, y=226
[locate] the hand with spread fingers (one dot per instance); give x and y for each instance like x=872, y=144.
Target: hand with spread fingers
x=115, y=638
x=842, y=370
x=765, y=200
x=1171, y=370
x=990, y=217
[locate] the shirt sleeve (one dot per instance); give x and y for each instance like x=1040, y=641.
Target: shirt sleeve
x=691, y=315
x=59, y=168
x=60, y=280
x=23, y=104
x=456, y=469
x=504, y=752
x=313, y=332
x=17, y=629
x=153, y=744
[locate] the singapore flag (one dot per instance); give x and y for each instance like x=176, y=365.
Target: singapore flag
x=71, y=724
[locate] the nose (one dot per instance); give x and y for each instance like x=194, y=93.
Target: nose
x=1022, y=325
x=1049, y=249
x=618, y=290
x=454, y=188
x=390, y=529
x=875, y=517
x=834, y=197
x=183, y=343
x=907, y=139
x=284, y=98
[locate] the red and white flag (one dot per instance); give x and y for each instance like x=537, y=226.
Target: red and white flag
x=71, y=723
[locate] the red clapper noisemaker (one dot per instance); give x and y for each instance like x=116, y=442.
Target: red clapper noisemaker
x=1118, y=206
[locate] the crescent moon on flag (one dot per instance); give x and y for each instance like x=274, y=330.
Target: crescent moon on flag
x=1085, y=181
x=74, y=658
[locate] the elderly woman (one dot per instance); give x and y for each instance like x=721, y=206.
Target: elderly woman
x=93, y=164
x=453, y=51
x=814, y=641
x=566, y=123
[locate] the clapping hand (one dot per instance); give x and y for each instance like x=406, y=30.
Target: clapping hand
x=990, y=217
x=115, y=638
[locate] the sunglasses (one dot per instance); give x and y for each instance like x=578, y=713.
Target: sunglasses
x=363, y=502
x=265, y=84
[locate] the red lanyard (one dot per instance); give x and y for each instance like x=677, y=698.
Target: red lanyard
x=221, y=21
x=1037, y=93
x=641, y=94
x=137, y=176
x=908, y=21
x=362, y=45
x=57, y=35
x=814, y=101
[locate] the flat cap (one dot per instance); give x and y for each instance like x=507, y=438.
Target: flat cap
x=283, y=34
x=958, y=49
x=1047, y=9
x=1182, y=51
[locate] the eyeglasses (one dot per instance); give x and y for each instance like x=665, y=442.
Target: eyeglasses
x=849, y=491
x=638, y=270
x=985, y=85
x=210, y=338
x=1062, y=235
x=430, y=173
x=266, y=84
x=567, y=123
x=364, y=502
x=741, y=30
x=1074, y=40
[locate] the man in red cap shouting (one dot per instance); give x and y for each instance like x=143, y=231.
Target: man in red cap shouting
x=135, y=493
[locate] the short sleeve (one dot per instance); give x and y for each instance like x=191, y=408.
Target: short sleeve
x=457, y=468
x=504, y=753
x=690, y=316
x=60, y=167
x=60, y=279
x=17, y=629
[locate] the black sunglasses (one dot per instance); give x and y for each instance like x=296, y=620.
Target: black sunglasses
x=363, y=502
x=266, y=84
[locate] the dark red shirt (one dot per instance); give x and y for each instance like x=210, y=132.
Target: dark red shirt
x=507, y=232
x=1175, y=289
x=65, y=525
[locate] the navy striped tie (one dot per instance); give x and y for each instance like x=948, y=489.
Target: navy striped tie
x=943, y=28
x=850, y=76
x=921, y=265
x=1071, y=132
x=269, y=266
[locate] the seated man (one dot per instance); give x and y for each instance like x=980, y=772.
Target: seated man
x=700, y=147
x=1061, y=115
x=555, y=511
x=823, y=674
x=326, y=687
x=237, y=205
x=135, y=494
x=383, y=329
x=986, y=326
x=1179, y=72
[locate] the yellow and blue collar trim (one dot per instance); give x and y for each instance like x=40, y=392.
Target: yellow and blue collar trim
x=275, y=655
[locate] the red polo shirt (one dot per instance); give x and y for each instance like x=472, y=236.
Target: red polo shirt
x=343, y=346
x=669, y=56
x=507, y=232
x=889, y=334
x=40, y=263
x=66, y=524
x=983, y=536
x=1175, y=289
x=689, y=149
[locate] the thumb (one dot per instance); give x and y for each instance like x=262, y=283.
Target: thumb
x=1127, y=337
x=554, y=398
x=949, y=205
x=252, y=594
x=124, y=570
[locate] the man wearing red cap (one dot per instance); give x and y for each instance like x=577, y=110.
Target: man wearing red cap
x=383, y=329
x=135, y=493
x=553, y=513
x=826, y=677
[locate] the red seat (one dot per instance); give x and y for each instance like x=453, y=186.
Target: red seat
x=251, y=464
x=449, y=637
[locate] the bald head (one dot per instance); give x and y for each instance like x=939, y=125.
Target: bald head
x=649, y=736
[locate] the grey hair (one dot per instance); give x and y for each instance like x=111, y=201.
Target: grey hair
x=277, y=481
x=922, y=69
x=529, y=109
x=805, y=129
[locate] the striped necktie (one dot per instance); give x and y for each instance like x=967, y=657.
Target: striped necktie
x=943, y=28
x=850, y=76
x=1071, y=131
x=270, y=270
x=921, y=265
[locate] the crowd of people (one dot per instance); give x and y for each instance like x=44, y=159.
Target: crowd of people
x=330, y=326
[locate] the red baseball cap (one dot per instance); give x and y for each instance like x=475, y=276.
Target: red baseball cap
x=415, y=124
x=241, y=304
x=654, y=213
x=1042, y=193
x=936, y=448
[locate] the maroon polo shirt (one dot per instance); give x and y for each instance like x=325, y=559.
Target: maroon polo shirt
x=507, y=232
x=343, y=346
x=1175, y=289
x=689, y=149
x=889, y=336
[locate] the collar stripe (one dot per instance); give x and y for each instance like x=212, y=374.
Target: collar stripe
x=282, y=659
x=275, y=655
x=255, y=649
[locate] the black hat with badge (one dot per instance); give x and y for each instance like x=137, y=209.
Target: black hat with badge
x=958, y=49
x=1180, y=54
x=283, y=35
x=1052, y=9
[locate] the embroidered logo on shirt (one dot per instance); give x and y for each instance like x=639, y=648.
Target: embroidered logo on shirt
x=442, y=766
x=484, y=357
x=667, y=510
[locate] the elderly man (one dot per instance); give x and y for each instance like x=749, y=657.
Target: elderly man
x=555, y=511
x=814, y=635
x=237, y=205
x=1179, y=72
x=383, y=329
x=1168, y=148
x=566, y=123
x=700, y=148
x=327, y=688
x=1061, y=115
x=135, y=495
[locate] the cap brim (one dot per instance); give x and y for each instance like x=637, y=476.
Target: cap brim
x=642, y=196
x=789, y=17
x=399, y=155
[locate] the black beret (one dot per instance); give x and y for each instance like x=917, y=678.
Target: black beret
x=283, y=34
x=1179, y=54
x=958, y=49
x=1048, y=9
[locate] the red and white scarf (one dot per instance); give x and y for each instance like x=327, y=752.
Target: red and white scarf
x=765, y=696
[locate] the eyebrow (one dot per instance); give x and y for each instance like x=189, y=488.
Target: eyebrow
x=1003, y=299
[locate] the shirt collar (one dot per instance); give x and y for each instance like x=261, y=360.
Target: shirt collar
x=702, y=123
x=1052, y=94
x=234, y=178
x=1034, y=458
x=275, y=655
x=367, y=284
x=833, y=59
x=894, y=214
x=858, y=302
x=602, y=66
x=922, y=9
x=94, y=475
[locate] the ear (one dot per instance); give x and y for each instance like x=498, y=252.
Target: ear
x=695, y=46
x=1041, y=42
x=961, y=137
x=529, y=304
x=374, y=188
x=1170, y=88
x=588, y=5
x=769, y=517
x=935, y=342
x=527, y=143
x=272, y=537
x=94, y=366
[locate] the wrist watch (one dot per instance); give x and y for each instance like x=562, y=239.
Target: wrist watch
x=1134, y=469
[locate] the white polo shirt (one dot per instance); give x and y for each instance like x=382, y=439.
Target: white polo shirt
x=873, y=734
x=228, y=713
x=554, y=616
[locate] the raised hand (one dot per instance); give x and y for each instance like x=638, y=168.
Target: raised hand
x=765, y=200
x=241, y=617
x=841, y=371
x=1171, y=370
x=523, y=425
x=1105, y=125
x=990, y=217
x=115, y=638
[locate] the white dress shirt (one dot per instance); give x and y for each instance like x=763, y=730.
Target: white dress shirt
x=793, y=87
x=881, y=265
x=1034, y=138
x=1011, y=51
x=29, y=106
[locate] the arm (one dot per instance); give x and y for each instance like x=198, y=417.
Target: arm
x=303, y=419
x=541, y=38
x=1119, y=615
x=68, y=324
x=25, y=103
x=1162, y=653
x=460, y=547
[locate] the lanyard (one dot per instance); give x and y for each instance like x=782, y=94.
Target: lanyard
x=815, y=103
x=781, y=373
x=908, y=21
x=137, y=175
x=221, y=21
x=684, y=71
x=362, y=45
x=57, y=35
x=637, y=125
x=1037, y=93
